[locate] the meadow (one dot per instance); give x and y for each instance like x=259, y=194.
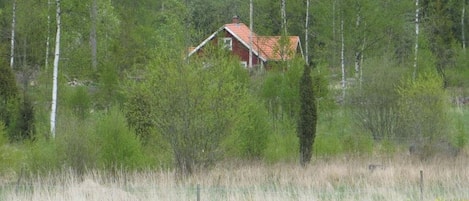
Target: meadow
x=396, y=178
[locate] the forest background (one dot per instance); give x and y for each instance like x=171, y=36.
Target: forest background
x=128, y=99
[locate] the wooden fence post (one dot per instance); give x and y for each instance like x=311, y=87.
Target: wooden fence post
x=198, y=192
x=421, y=184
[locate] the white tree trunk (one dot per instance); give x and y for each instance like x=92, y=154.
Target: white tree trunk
x=358, y=52
x=417, y=11
x=13, y=24
x=56, y=69
x=342, y=58
x=307, y=33
x=284, y=17
x=250, y=33
x=48, y=36
x=93, y=36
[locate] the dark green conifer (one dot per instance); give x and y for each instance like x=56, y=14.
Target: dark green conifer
x=308, y=117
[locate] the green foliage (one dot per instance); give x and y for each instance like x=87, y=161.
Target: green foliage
x=461, y=137
x=138, y=112
x=119, y=147
x=457, y=76
x=357, y=144
x=373, y=102
x=80, y=102
x=250, y=135
x=109, y=92
x=281, y=88
x=8, y=97
x=25, y=123
x=423, y=112
x=327, y=145
x=42, y=156
x=194, y=106
x=76, y=144
x=308, y=117
x=283, y=144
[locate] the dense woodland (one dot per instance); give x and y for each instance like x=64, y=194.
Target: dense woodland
x=386, y=75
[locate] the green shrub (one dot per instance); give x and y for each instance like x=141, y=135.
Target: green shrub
x=77, y=144
x=327, y=145
x=373, y=102
x=282, y=145
x=11, y=158
x=423, y=112
x=24, y=126
x=250, y=135
x=80, y=102
x=43, y=156
x=119, y=147
x=138, y=112
x=358, y=144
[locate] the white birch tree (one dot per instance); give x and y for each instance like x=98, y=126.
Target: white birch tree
x=48, y=36
x=284, y=17
x=416, y=48
x=342, y=57
x=358, y=52
x=56, y=69
x=13, y=25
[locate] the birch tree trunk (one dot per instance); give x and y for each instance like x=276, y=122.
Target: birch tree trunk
x=417, y=11
x=56, y=69
x=284, y=17
x=13, y=24
x=250, y=33
x=48, y=36
x=306, y=33
x=342, y=57
x=358, y=53
x=93, y=37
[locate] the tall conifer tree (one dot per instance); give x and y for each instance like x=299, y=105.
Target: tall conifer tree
x=308, y=117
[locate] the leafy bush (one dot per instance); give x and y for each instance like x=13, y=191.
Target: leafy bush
x=138, y=112
x=283, y=144
x=80, y=102
x=358, y=144
x=43, y=156
x=374, y=101
x=24, y=127
x=11, y=158
x=118, y=146
x=76, y=144
x=251, y=131
x=327, y=145
x=423, y=112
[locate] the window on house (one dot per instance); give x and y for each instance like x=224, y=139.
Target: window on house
x=244, y=64
x=227, y=43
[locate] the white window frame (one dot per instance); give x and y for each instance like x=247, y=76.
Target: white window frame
x=244, y=64
x=227, y=43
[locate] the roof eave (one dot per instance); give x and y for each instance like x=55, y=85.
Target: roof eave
x=205, y=41
x=246, y=45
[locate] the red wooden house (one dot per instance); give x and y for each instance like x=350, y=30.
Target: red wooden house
x=266, y=49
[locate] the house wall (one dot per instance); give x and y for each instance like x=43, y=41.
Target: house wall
x=241, y=51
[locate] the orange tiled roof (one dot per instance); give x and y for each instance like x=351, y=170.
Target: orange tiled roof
x=266, y=47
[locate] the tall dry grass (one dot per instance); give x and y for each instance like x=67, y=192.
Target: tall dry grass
x=325, y=179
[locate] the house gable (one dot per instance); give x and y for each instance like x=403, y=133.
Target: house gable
x=264, y=48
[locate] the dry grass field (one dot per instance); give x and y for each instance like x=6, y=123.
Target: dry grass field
x=331, y=179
